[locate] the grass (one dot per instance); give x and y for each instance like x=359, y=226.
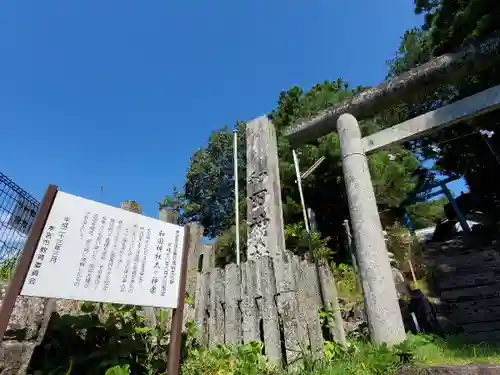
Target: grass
x=360, y=358
x=363, y=358
x=454, y=351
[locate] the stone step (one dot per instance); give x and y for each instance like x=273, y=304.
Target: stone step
x=477, y=279
x=454, y=247
x=481, y=303
x=466, y=259
x=465, y=264
x=449, y=270
x=474, y=315
x=472, y=293
x=481, y=327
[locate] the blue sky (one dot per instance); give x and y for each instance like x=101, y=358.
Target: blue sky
x=120, y=93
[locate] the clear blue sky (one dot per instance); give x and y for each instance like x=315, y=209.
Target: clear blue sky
x=120, y=93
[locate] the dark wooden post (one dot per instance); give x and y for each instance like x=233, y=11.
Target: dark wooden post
x=16, y=284
x=174, y=352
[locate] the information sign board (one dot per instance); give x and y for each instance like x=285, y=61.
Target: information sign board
x=94, y=252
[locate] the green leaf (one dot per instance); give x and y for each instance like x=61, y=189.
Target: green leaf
x=118, y=370
x=70, y=367
x=142, y=330
x=88, y=307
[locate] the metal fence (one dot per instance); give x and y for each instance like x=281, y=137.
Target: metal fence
x=17, y=213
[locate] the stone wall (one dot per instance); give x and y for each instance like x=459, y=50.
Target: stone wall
x=467, y=287
x=25, y=331
x=27, y=326
x=241, y=303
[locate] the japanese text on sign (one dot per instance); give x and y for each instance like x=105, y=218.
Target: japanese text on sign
x=93, y=252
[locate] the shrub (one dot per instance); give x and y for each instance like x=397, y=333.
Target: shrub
x=104, y=337
x=246, y=359
x=301, y=243
x=347, y=283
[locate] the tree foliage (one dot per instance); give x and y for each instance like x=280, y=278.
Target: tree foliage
x=427, y=214
x=458, y=151
x=461, y=150
x=209, y=187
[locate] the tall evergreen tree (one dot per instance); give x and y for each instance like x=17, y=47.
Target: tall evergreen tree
x=461, y=150
x=209, y=194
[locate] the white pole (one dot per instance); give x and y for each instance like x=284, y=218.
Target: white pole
x=236, y=197
x=299, y=183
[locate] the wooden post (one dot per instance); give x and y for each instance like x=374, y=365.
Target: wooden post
x=16, y=284
x=174, y=350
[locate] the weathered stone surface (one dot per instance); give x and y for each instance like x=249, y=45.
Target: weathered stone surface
x=446, y=269
x=233, y=298
x=217, y=319
x=208, y=257
x=168, y=215
x=27, y=326
x=27, y=316
x=382, y=307
x=302, y=297
x=131, y=206
x=310, y=282
x=433, y=121
x=201, y=306
x=15, y=357
x=265, y=215
x=287, y=310
x=474, y=260
x=269, y=311
x=288, y=276
x=195, y=252
x=478, y=292
x=475, y=315
x=466, y=305
x=329, y=290
x=475, y=279
x=468, y=287
x=249, y=310
x=67, y=307
x=404, y=87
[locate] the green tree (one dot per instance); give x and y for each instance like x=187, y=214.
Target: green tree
x=427, y=214
x=209, y=189
x=460, y=150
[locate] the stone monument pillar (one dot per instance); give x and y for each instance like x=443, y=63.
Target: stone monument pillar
x=131, y=206
x=264, y=213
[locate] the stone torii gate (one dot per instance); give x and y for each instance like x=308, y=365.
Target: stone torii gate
x=381, y=304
